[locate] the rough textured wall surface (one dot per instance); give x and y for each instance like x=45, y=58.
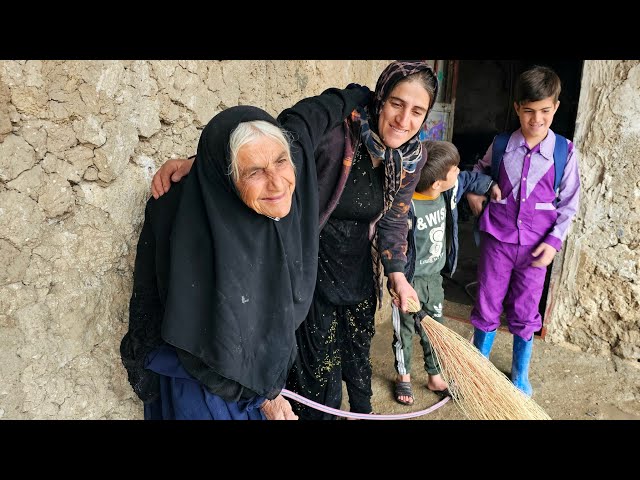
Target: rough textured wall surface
x=79, y=142
x=597, y=303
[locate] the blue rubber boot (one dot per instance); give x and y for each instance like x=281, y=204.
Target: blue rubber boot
x=483, y=341
x=520, y=364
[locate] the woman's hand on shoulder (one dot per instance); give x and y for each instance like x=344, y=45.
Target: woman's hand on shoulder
x=278, y=409
x=171, y=171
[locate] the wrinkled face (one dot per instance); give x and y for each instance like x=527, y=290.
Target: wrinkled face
x=266, y=180
x=536, y=117
x=402, y=113
x=450, y=181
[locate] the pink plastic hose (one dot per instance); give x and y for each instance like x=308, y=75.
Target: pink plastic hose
x=362, y=416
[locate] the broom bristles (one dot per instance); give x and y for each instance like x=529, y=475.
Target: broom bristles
x=479, y=389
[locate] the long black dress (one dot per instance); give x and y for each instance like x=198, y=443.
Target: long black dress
x=344, y=301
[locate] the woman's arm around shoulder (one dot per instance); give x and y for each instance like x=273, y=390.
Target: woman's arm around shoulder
x=312, y=117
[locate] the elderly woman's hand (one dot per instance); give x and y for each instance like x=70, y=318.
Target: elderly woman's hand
x=278, y=409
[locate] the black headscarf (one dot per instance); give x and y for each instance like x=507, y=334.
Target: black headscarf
x=240, y=282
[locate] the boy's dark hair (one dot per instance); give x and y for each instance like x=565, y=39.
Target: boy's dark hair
x=441, y=156
x=536, y=84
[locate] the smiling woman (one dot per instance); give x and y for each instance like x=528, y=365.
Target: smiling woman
x=263, y=171
x=219, y=286
x=402, y=113
x=363, y=221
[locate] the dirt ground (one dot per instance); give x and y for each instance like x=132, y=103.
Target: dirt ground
x=567, y=384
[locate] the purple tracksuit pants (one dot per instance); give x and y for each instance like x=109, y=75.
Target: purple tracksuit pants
x=505, y=275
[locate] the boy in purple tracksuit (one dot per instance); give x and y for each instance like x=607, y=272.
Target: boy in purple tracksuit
x=522, y=229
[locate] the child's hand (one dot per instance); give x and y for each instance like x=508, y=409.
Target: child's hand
x=545, y=254
x=476, y=202
x=495, y=193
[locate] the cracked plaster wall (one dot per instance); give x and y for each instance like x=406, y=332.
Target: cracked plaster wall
x=79, y=143
x=597, y=303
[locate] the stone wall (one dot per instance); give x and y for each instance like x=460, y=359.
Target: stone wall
x=79, y=143
x=597, y=302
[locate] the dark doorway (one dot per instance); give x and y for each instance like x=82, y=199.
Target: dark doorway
x=484, y=108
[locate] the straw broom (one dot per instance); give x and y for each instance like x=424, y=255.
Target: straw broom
x=480, y=390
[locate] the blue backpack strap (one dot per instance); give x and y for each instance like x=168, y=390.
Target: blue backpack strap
x=499, y=147
x=560, y=154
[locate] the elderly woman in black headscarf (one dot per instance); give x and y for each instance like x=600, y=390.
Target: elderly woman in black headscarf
x=226, y=266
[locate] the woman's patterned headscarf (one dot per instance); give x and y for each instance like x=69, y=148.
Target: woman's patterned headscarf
x=407, y=155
